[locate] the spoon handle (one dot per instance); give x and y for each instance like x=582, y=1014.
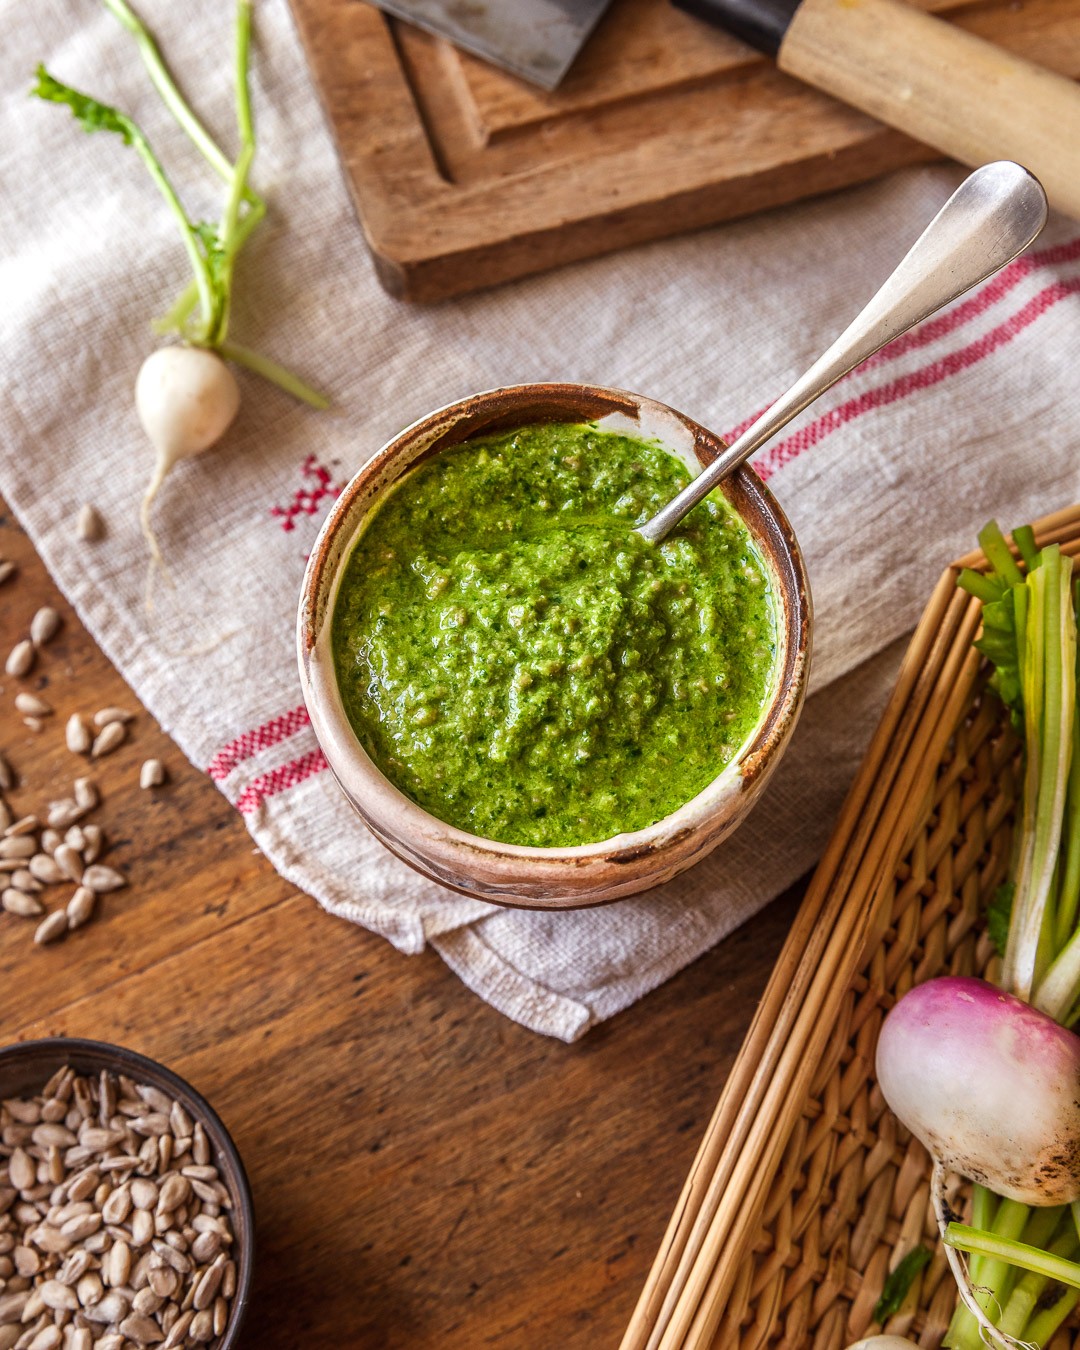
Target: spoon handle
x=992, y=216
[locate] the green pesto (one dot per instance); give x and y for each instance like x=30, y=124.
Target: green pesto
x=521, y=663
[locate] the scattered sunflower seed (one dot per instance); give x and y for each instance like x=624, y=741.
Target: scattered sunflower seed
x=111, y=735
x=95, y=842
x=69, y=862
x=45, y=869
x=32, y=706
x=18, y=846
x=104, y=716
x=90, y=525
x=44, y=626
x=49, y=930
x=24, y=880
x=18, y=902
x=86, y=793
x=7, y=570
x=24, y=825
x=152, y=773
x=77, y=735
x=35, y=724
x=20, y=659
x=64, y=813
x=99, y=878
x=80, y=909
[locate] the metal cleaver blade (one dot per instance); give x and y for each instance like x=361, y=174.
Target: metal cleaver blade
x=534, y=39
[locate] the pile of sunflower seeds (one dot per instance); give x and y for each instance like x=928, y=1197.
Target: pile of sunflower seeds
x=60, y=847
x=114, y=1223
x=62, y=850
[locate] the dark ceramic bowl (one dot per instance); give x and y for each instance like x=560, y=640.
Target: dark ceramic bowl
x=25, y=1068
x=589, y=874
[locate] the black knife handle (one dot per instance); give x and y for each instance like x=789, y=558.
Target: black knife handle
x=761, y=23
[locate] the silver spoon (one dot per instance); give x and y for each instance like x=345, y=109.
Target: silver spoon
x=991, y=218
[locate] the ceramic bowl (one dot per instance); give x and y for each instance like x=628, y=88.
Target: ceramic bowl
x=552, y=878
x=26, y=1067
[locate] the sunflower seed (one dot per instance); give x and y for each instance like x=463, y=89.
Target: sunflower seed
x=50, y=838
x=53, y=927
x=18, y=846
x=22, y=879
x=77, y=734
x=95, y=841
x=99, y=877
x=144, y=1193
x=69, y=861
x=46, y=869
x=56, y=1296
x=152, y=774
x=32, y=706
x=44, y=626
x=27, y=1262
x=104, y=716
x=18, y=902
x=22, y=1170
x=80, y=1338
x=20, y=659
x=112, y=1308
x=90, y=526
x=35, y=724
x=85, y=793
x=64, y=813
x=7, y=571
x=7, y=775
x=80, y=908
x=111, y=735
x=25, y=825
x=143, y=1330
x=117, y=1265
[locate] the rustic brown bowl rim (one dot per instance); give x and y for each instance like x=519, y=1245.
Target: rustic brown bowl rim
x=87, y=1055
x=520, y=405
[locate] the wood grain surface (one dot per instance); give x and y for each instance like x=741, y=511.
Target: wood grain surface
x=426, y=1173
x=464, y=176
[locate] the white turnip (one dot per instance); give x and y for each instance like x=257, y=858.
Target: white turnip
x=186, y=398
x=989, y=1084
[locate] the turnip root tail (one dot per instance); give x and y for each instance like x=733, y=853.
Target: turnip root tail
x=160, y=470
x=989, y=1333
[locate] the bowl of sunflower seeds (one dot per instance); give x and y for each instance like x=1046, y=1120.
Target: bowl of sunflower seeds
x=125, y=1214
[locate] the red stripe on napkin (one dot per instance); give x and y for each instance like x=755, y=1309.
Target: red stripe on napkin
x=279, y=779
x=932, y=330
x=781, y=454
x=251, y=742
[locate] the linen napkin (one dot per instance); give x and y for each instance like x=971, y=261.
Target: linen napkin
x=885, y=481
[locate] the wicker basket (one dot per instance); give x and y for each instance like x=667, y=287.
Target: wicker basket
x=805, y=1190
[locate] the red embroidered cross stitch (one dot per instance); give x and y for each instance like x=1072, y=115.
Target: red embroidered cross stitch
x=307, y=500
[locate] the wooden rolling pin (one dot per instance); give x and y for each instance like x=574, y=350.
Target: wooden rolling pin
x=966, y=97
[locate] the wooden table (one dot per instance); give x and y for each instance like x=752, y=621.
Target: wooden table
x=426, y=1173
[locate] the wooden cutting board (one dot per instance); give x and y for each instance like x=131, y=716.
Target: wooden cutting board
x=464, y=177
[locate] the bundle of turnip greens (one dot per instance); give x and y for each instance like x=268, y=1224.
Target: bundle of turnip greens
x=1023, y=1260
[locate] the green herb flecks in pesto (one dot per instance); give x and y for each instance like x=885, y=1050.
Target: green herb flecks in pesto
x=519, y=661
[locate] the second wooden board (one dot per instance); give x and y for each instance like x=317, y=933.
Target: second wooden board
x=464, y=177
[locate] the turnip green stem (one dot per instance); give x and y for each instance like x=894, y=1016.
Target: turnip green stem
x=96, y=116
x=1019, y=1254
x=270, y=370
x=188, y=299
x=170, y=94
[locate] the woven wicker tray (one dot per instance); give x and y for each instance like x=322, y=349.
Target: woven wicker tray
x=805, y=1190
